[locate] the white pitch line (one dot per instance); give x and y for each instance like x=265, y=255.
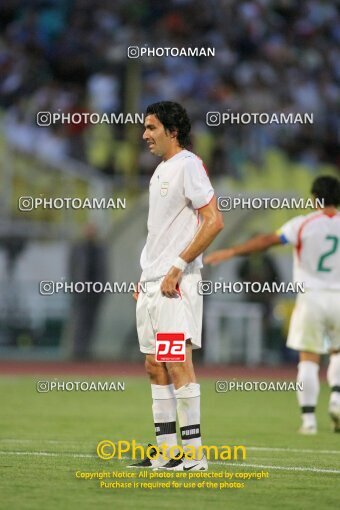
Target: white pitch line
x=50, y=454
x=49, y=441
x=270, y=449
x=282, y=468
x=225, y=464
x=252, y=448
x=293, y=450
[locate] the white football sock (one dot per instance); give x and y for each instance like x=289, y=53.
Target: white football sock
x=333, y=378
x=188, y=410
x=308, y=375
x=164, y=415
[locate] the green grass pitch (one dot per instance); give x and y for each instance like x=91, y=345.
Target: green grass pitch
x=47, y=437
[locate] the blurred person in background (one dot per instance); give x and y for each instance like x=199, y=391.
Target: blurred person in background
x=261, y=267
x=87, y=263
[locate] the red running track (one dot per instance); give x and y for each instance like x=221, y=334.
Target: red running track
x=280, y=372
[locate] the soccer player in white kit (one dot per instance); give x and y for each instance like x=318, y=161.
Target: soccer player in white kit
x=315, y=322
x=183, y=220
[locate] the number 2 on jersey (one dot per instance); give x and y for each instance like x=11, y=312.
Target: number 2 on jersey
x=335, y=242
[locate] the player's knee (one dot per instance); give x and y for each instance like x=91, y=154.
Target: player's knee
x=309, y=356
x=152, y=367
x=176, y=369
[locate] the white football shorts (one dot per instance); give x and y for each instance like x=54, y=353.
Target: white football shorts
x=315, y=322
x=156, y=313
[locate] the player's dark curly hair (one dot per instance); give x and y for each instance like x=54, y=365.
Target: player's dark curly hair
x=174, y=118
x=327, y=188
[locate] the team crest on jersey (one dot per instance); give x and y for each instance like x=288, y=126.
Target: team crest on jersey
x=164, y=189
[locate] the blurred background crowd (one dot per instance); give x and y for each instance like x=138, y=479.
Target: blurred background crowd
x=271, y=56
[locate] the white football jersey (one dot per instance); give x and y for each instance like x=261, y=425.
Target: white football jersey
x=179, y=187
x=316, y=241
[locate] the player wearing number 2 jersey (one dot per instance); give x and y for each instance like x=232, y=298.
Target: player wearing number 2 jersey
x=315, y=323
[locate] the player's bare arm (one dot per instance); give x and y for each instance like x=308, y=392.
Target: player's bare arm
x=211, y=225
x=260, y=242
